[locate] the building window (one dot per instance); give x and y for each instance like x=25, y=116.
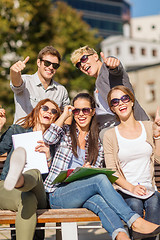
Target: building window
x=139, y=28
x=117, y=50
x=150, y=91
x=153, y=26
x=143, y=51
x=154, y=53
x=132, y=50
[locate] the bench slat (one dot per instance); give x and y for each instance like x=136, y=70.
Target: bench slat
x=54, y=215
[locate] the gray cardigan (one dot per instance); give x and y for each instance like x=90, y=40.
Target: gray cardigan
x=108, y=78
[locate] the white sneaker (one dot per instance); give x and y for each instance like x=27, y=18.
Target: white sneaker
x=17, y=163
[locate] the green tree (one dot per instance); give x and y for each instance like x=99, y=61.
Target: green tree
x=71, y=33
x=26, y=27
x=29, y=25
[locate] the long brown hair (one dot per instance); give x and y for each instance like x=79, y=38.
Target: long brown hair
x=33, y=117
x=93, y=133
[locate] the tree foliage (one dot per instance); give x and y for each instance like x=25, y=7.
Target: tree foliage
x=71, y=33
x=29, y=25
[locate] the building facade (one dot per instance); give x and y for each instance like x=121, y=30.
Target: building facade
x=146, y=28
x=132, y=52
x=139, y=53
x=146, y=84
x=107, y=16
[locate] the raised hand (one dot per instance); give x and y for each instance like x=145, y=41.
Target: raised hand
x=15, y=71
x=68, y=111
x=110, y=62
x=156, y=124
x=2, y=118
x=19, y=66
x=66, y=114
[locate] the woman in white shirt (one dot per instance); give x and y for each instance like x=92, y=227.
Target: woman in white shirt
x=130, y=149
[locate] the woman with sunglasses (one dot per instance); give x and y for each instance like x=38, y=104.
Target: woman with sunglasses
x=108, y=74
x=130, y=149
x=78, y=145
x=29, y=193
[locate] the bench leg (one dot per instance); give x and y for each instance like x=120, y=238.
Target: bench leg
x=58, y=232
x=69, y=231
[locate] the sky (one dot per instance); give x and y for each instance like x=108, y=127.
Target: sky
x=141, y=8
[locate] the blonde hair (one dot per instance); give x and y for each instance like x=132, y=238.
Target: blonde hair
x=75, y=56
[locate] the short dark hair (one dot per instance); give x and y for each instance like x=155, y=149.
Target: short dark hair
x=49, y=50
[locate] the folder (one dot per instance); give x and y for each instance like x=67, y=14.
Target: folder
x=71, y=175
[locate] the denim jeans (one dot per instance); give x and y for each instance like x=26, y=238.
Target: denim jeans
x=151, y=206
x=97, y=194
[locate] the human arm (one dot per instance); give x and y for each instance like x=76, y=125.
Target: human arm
x=54, y=133
x=109, y=78
x=15, y=72
x=6, y=140
x=156, y=132
x=135, y=189
x=2, y=118
x=66, y=114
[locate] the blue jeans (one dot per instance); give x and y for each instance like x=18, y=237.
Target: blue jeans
x=97, y=194
x=151, y=206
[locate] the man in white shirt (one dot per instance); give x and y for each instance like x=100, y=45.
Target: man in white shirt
x=30, y=89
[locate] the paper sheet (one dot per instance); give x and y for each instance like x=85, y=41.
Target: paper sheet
x=28, y=141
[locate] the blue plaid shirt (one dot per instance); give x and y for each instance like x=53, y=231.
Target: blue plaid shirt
x=60, y=137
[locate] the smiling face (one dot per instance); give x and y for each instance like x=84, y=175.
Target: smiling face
x=83, y=120
x=92, y=66
x=125, y=108
x=44, y=72
x=47, y=117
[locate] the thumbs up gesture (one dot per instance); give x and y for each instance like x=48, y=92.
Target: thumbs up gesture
x=110, y=62
x=19, y=66
x=15, y=71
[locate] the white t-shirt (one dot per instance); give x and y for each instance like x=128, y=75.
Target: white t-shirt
x=134, y=156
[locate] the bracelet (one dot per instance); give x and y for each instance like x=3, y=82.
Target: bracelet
x=49, y=159
x=156, y=137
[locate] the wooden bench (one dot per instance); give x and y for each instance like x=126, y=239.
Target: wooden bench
x=66, y=219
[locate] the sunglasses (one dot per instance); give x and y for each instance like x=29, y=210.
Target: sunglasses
x=48, y=63
x=124, y=99
x=83, y=59
x=85, y=111
x=46, y=108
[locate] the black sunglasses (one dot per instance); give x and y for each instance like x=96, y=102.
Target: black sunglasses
x=48, y=63
x=85, y=111
x=46, y=108
x=83, y=59
x=124, y=99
